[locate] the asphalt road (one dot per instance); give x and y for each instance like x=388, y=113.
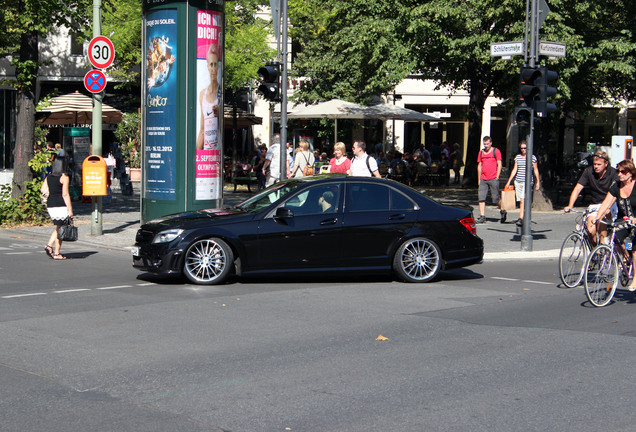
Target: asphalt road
x=91, y=344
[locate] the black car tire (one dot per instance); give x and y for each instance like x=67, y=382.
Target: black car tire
x=417, y=260
x=208, y=261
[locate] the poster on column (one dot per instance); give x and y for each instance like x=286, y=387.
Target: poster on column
x=161, y=104
x=209, y=143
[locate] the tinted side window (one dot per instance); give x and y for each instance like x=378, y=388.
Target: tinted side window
x=367, y=197
x=400, y=202
x=315, y=200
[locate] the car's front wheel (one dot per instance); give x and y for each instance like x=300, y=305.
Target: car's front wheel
x=208, y=261
x=417, y=260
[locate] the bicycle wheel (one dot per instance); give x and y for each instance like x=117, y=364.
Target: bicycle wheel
x=574, y=252
x=601, y=276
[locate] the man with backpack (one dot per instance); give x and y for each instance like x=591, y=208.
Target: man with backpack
x=488, y=171
x=363, y=165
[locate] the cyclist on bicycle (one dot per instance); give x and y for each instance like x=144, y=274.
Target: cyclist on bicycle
x=623, y=193
x=598, y=178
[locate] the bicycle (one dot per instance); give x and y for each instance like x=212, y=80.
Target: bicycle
x=574, y=252
x=605, y=266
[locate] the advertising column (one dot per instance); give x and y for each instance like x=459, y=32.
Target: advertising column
x=209, y=108
x=182, y=108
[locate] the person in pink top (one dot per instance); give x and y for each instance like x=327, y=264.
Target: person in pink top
x=340, y=163
x=488, y=172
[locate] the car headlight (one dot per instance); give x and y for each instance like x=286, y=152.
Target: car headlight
x=167, y=236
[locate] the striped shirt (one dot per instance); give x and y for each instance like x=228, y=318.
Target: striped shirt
x=520, y=160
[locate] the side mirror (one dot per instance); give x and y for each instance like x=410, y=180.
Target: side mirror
x=284, y=213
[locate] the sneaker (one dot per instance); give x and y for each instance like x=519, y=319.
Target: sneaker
x=519, y=222
x=481, y=219
x=504, y=214
x=631, y=288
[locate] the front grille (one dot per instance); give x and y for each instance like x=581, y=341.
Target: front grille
x=144, y=237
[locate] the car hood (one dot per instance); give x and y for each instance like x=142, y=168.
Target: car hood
x=191, y=218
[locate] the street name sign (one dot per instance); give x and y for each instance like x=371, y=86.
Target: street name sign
x=101, y=52
x=552, y=49
x=95, y=81
x=506, y=49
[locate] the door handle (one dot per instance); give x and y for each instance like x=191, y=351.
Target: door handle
x=329, y=221
x=397, y=216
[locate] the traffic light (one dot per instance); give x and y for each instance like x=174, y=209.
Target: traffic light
x=270, y=86
x=522, y=116
x=542, y=108
x=529, y=89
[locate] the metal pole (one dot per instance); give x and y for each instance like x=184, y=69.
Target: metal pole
x=96, y=202
x=526, y=236
x=283, y=96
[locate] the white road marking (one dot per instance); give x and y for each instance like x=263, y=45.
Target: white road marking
x=538, y=282
x=115, y=287
x=23, y=295
x=18, y=253
x=503, y=278
x=71, y=290
x=147, y=284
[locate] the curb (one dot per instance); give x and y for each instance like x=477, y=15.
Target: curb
x=510, y=256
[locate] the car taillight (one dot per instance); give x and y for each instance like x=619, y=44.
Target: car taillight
x=469, y=224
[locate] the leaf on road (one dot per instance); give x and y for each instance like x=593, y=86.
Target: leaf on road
x=382, y=338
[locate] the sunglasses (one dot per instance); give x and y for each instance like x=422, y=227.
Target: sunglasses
x=523, y=148
x=624, y=172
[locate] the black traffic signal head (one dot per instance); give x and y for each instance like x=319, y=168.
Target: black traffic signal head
x=528, y=89
x=270, y=86
x=522, y=116
x=542, y=108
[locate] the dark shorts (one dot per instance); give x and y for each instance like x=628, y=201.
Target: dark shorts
x=493, y=186
x=624, y=234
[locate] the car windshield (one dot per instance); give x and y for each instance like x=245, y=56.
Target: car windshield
x=268, y=197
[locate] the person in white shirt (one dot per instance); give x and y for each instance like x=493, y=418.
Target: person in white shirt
x=363, y=165
x=271, y=167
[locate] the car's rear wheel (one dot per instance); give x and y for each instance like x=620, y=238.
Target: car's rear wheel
x=417, y=260
x=208, y=261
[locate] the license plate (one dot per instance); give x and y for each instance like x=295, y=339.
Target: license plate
x=134, y=250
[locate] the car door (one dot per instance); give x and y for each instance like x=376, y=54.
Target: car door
x=307, y=240
x=376, y=216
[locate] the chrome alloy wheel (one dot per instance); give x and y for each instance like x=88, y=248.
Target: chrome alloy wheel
x=208, y=261
x=418, y=260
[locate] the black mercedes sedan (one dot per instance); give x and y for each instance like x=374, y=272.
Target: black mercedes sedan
x=328, y=223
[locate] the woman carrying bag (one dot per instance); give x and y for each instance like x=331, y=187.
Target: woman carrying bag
x=55, y=189
x=304, y=158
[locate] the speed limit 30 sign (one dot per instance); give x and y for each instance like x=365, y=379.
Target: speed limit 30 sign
x=101, y=52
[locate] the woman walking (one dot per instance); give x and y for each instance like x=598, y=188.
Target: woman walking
x=519, y=174
x=55, y=189
x=303, y=158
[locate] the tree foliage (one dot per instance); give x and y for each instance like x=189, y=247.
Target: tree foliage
x=25, y=23
x=246, y=47
x=121, y=22
x=357, y=49
x=350, y=50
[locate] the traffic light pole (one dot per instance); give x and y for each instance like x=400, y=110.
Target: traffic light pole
x=283, y=95
x=526, y=231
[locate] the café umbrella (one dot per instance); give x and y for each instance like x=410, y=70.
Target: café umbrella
x=74, y=109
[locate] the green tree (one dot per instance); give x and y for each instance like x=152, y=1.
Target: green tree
x=351, y=50
x=121, y=22
x=360, y=48
x=25, y=23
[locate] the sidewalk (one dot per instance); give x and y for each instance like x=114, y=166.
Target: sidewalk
x=121, y=216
